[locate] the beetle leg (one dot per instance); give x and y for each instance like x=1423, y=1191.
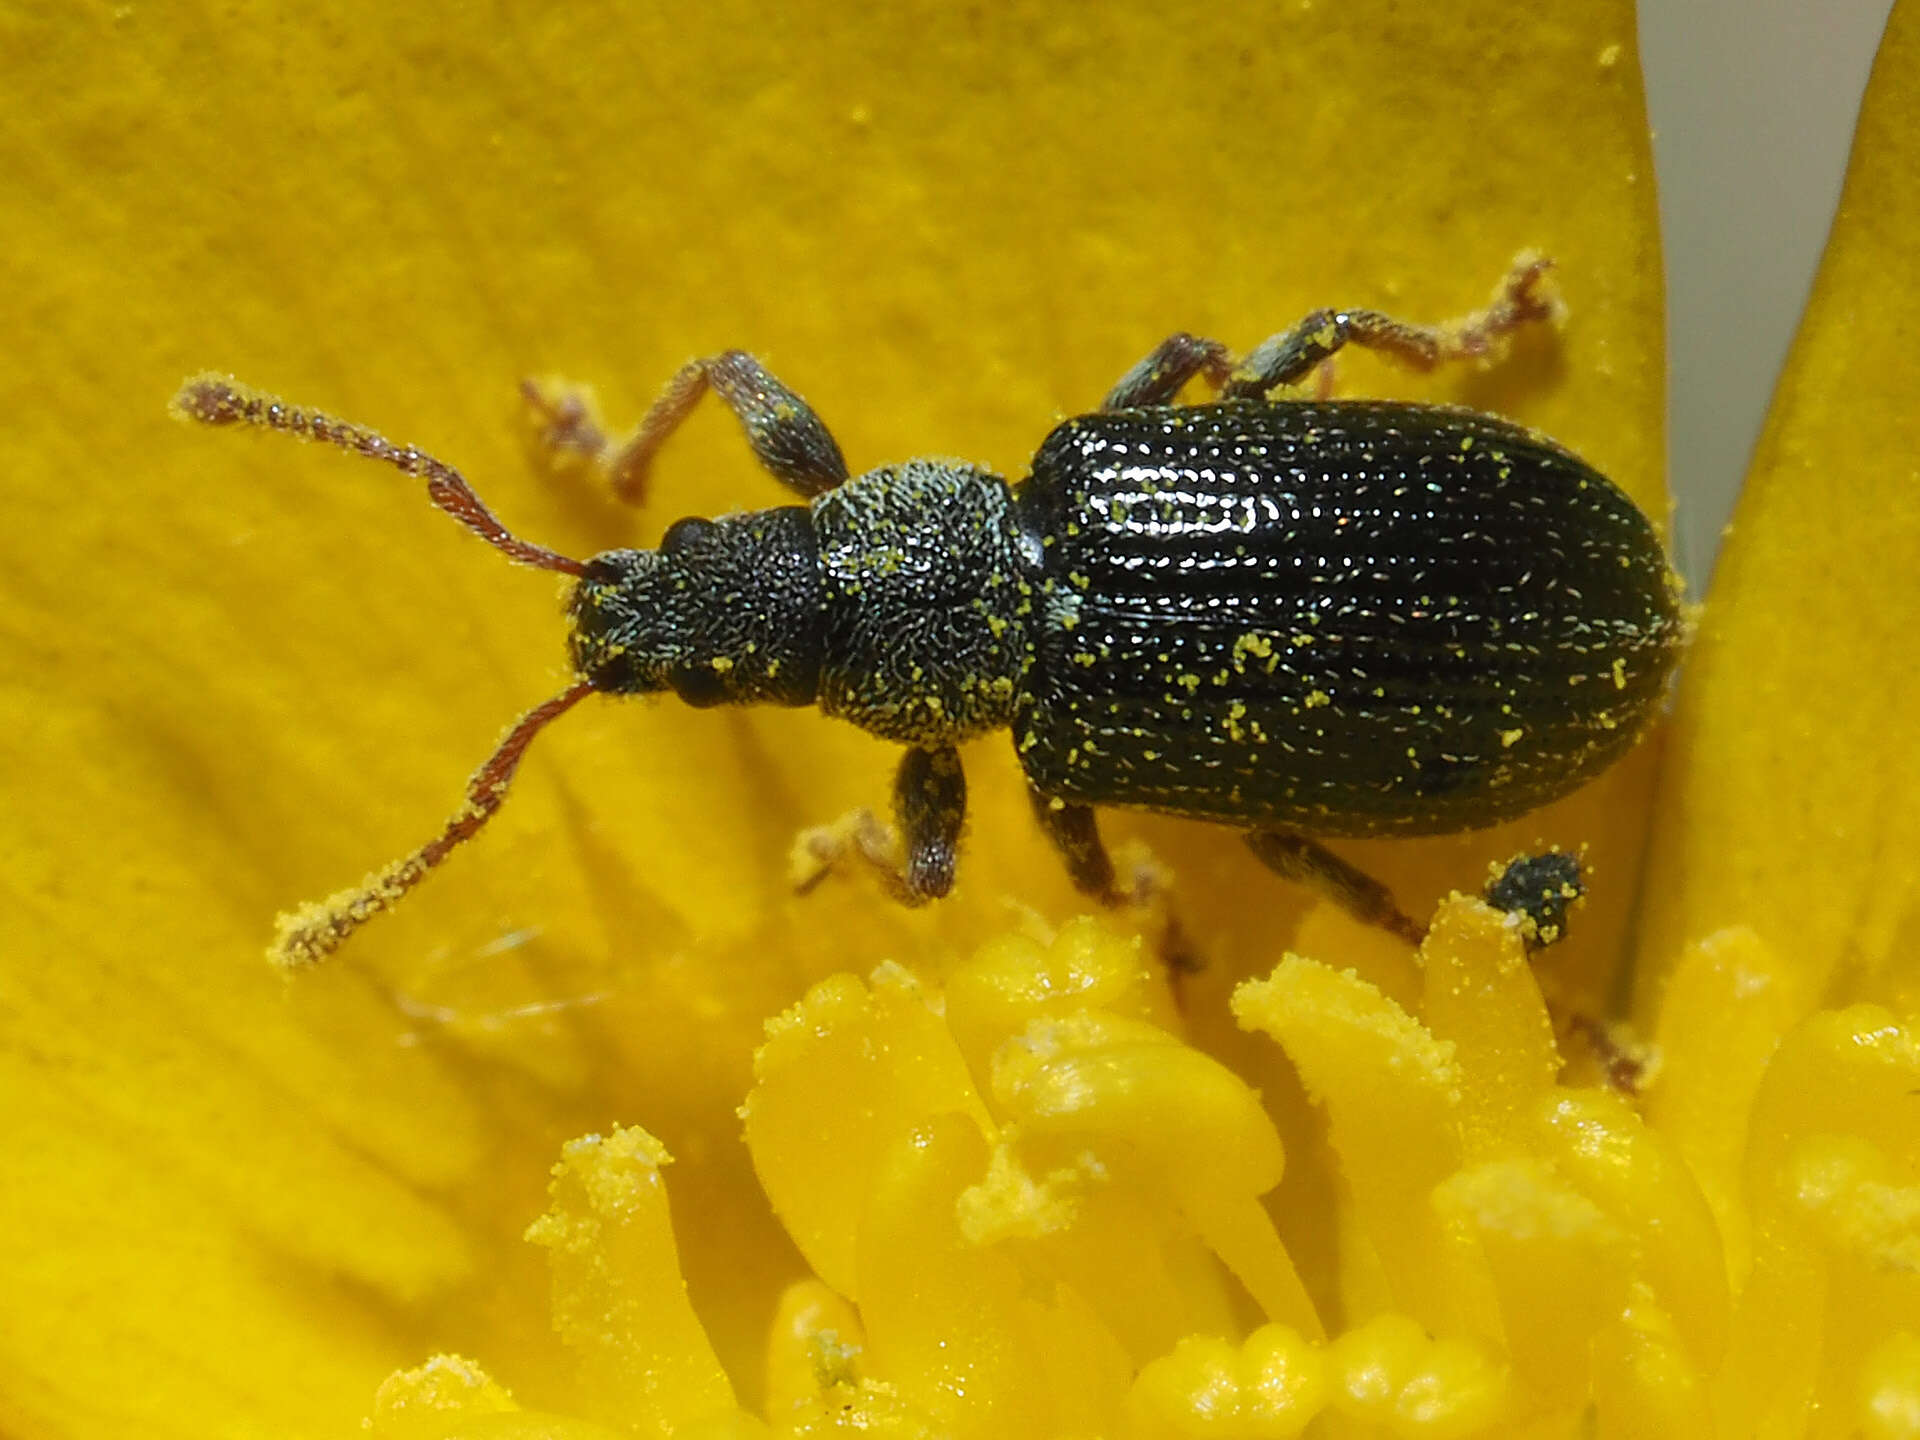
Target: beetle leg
x=930, y=807
x=1286, y=358
x=1292, y=855
x=1622, y=1057
x=857, y=835
x=1169, y=366
x=565, y=426
x=1075, y=833
x=787, y=437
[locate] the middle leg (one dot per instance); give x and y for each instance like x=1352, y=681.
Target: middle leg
x=1075, y=833
x=1285, y=359
x=1297, y=858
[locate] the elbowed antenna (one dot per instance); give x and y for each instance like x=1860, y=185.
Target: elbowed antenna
x=221, y=400
x=308, y=935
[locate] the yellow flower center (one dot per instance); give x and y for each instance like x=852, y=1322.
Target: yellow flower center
x=1032, y=1208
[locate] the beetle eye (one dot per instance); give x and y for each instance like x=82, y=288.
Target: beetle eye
x=688, y=534
x=699, y=685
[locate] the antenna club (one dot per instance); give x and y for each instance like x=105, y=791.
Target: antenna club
x=213, y=399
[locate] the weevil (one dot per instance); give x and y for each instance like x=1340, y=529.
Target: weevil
x=1309, y=618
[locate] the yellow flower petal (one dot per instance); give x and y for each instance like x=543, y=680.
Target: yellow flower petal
x=419, y=1402
x=239, y=674
x=1791, y=802
x=892, y=1066
x=945, y=1319
x=1272, y=1386
x=618, y=1299
x=1168, y=1117
x=1889, y=1395
x=1596, y=1140
x=1479, y=995
x=1559, y=1265
x=1833, y=1120
x=812, y=1347
x=1725, y=1009
x=1645, y=1382
x=1393, y=1375
x=450, y=1398
x=1392, y=1092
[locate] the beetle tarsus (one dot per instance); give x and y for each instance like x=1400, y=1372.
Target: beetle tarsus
x=1538, y=890
x=1623, y=1058
x=1523, y=296
x=859, y=839
x=566, y=431
x=1289, y=357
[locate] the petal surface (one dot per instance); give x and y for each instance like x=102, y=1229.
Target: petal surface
x=236, y=674
x=1791, y=797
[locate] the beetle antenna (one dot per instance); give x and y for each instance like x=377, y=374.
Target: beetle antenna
x=309, y=934
x=221, y=400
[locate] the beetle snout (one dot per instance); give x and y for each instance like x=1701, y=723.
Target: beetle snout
x=608, y=623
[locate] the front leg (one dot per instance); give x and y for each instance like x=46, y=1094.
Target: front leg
x=787, y=437
x=930, y=806
x=930, y=810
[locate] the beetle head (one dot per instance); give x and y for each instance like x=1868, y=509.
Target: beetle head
x=725, y=611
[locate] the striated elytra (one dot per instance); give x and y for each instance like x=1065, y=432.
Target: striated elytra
x=1302, y=617
x=1354, y=617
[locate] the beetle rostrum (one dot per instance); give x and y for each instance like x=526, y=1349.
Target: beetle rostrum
x=1303, y=617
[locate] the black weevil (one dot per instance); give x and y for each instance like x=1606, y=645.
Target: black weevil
x=1297, y=616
